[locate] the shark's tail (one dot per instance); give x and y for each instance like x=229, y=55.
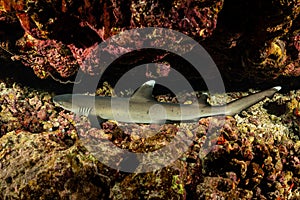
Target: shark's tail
x=241, y=104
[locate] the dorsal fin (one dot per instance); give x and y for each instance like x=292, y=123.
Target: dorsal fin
x=144, y=92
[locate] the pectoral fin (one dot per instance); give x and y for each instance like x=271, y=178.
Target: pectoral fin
x=96, y=121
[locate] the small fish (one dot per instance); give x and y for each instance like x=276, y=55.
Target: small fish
x=141, y=107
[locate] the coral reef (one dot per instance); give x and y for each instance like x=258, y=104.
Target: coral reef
x=50, y=170
x=46, y=57
x=256, y=40
x=252, y=155
x=23, y=109
x=91, y=22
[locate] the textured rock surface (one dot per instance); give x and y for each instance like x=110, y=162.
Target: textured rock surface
x=35, y=167
x=256, y=153
x=253, y=42
x=256, y=41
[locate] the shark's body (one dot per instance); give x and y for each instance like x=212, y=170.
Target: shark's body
x=141, y=107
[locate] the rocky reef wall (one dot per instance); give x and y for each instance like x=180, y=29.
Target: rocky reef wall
x=250, y=41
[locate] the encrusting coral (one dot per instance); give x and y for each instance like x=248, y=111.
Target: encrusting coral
x=256, y=40
x=252, y=155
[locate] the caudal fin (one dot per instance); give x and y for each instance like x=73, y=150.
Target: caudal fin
x=245, y=102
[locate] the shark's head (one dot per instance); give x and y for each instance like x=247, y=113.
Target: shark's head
x=77, y=103
x=64, y=101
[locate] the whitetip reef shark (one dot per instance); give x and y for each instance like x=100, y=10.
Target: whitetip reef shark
x=141, y=107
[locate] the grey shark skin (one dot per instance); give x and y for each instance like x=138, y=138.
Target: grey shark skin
x=141, y=107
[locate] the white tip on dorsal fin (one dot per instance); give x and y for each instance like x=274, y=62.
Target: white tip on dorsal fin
x=277, y=88
x=144, y=92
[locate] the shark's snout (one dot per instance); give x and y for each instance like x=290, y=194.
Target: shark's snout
x=58, y=100
x=55, y=100
x=64, y=101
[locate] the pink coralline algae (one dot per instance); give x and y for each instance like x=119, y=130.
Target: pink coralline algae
x=53, y=49
x=46, y=57
x=258, y=166
x=246, y=46
x=251, y=155
x=297, y=43
x=89, y=58
x=196, y=18
x=25, y=110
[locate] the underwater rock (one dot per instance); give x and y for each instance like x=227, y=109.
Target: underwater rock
x=249, y=40
x=88, y=23
x=258, y=40
x=34, y=167
x=255, y=154
x=23, y=109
